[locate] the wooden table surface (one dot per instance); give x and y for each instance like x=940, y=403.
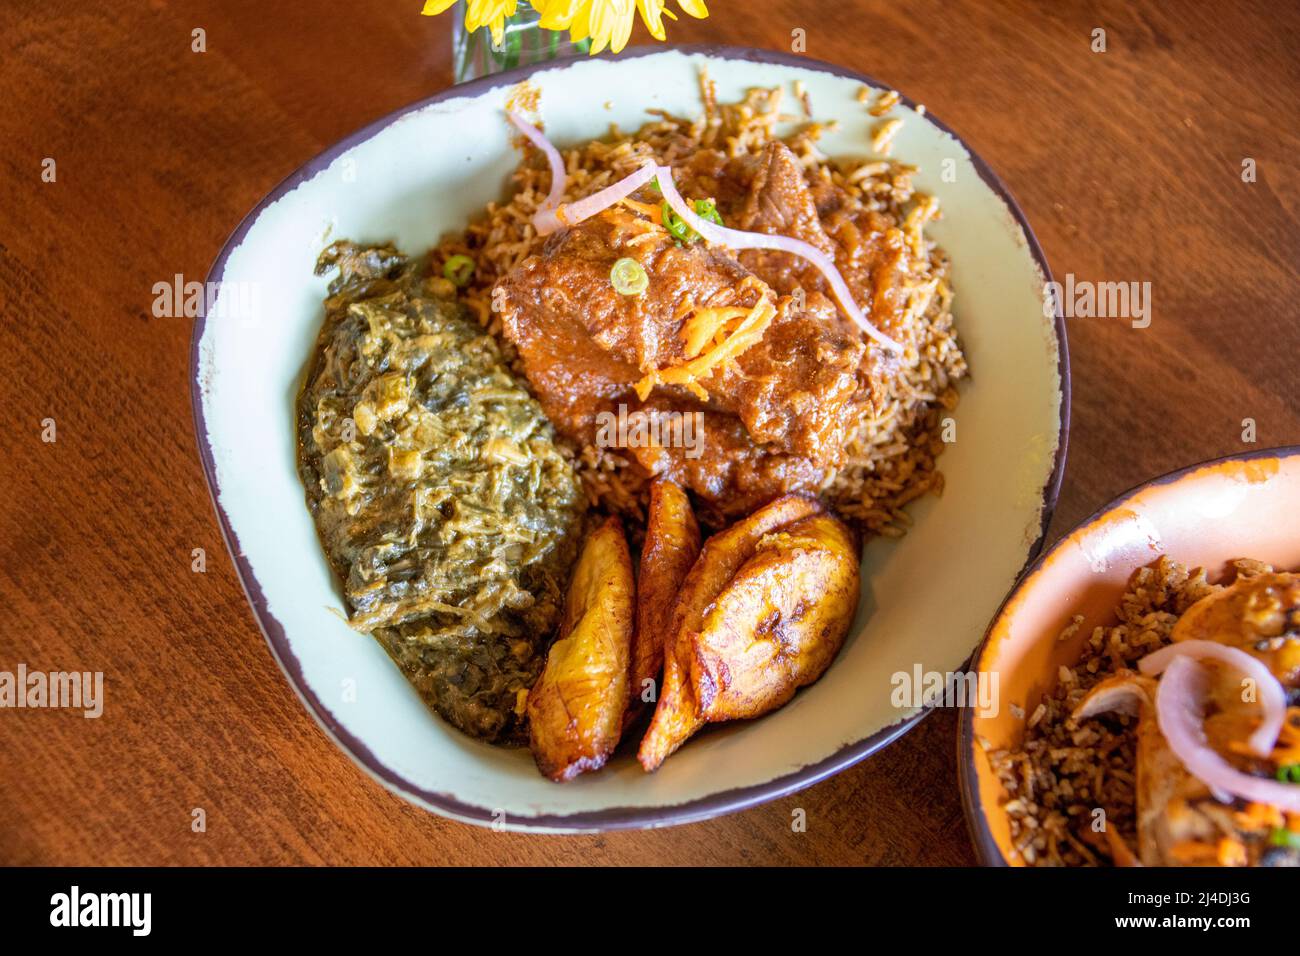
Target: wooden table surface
x=1128, y=164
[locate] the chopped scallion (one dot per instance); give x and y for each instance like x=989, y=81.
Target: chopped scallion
x=707, y=210
x=676, y=227
x=459, y=269
x=1287, y=838
x=629, y=277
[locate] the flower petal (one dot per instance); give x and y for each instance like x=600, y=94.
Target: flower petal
x=601, y=24
x=559, y=14
x=652, y=15
x=694, y=8
x=434, y=7
x=624, y=15
x=580, y=29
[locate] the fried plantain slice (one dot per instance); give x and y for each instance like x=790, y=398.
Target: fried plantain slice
x=672, y=543
x=677, y=714
x=780, y=621
x=575, y=710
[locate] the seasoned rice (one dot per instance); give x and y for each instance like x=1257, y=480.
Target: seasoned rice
x=890, y=461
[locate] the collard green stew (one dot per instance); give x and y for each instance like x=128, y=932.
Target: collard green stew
x=441, y=499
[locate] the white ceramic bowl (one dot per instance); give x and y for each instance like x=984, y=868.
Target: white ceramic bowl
x=423, y=171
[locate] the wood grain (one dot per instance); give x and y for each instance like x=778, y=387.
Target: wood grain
x=1128, y=164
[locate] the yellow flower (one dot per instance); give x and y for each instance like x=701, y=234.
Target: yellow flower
x=609, y=22
x=489, y=13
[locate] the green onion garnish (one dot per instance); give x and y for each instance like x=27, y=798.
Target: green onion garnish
x=675, y=226
x=459, y=269
x=1281, y=837
x=707, y=210
x=628, y=277
x=1290, y=773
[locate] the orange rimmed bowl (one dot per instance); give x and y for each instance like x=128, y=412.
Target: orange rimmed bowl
x=1243, y=506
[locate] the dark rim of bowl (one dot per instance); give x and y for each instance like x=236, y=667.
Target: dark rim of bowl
x=986, y=848
x=611, y=818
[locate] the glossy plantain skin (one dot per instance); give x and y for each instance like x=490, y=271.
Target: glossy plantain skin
x=724, y=559
x=672, y=543
x=575, y=710
x=779, y=622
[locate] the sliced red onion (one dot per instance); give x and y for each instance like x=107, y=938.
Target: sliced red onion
x=1272, y=696
x=1124, y=694
x=572, y=213
x=739, y=239
x=1181, y=718
x=545, y=215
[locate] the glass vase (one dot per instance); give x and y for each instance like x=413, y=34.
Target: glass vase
x=524, y=42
